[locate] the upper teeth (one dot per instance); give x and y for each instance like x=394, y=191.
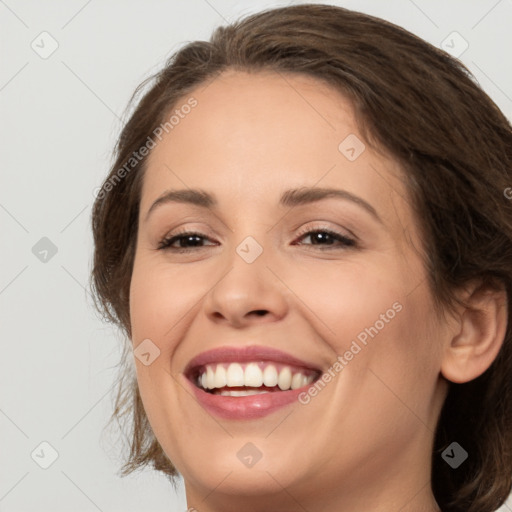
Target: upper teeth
x=217, y=376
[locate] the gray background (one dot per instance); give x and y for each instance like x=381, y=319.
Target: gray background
x=60, y=116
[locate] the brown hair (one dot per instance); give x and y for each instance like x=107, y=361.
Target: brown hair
x=454, y=145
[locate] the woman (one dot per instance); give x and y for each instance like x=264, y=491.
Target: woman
x=307, y=238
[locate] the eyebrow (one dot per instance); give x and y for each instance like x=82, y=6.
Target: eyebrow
x=290, y=198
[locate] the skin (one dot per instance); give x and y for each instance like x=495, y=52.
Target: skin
x=366, y=439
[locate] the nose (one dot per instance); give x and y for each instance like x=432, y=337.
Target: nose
x=248, y=293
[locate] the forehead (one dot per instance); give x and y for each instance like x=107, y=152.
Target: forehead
x=254, y=119
x=253, y=135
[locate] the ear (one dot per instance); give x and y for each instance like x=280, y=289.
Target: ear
x=478, y=334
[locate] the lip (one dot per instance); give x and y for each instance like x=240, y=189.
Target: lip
x=252, y=406
x=245, y=407
x=244, y=355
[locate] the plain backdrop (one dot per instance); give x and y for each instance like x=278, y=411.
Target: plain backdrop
x=60, y=114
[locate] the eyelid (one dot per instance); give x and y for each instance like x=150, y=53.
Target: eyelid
x=343, y=241
x=164, y=242
x=338, y=230
x=189, y=227
x=305, y=229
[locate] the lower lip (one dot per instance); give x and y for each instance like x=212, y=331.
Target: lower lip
x=245, y=407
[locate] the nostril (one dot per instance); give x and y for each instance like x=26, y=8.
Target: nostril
x=260, y=312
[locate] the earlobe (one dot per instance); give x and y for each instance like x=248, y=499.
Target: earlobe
x=478, y=336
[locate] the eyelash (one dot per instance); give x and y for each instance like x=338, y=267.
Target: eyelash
x=166, y=242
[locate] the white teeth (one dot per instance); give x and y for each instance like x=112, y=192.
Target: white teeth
x=297, y=381
x=285, y=379
x=253, y=376
x=217, y=376
x=228, y=392
x=270, y=376
x=221, y=379
x=210, y=378
x=234, y=375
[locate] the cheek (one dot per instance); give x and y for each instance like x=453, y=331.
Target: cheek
x=346, y=298
x=159, y=300
x=160, y=295
x=374, y=310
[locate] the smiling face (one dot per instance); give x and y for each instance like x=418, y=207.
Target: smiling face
x=332, y=281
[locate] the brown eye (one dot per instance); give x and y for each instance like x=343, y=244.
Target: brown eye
x=187, y=241
x=328, y=238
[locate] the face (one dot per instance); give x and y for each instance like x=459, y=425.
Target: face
x=307, y=312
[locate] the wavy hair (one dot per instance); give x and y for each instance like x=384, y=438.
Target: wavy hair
x=422, y=107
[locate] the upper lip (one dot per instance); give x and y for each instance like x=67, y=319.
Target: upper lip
x=229, y=354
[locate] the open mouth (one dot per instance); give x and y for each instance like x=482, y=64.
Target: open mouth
x=250, y=378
